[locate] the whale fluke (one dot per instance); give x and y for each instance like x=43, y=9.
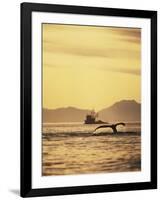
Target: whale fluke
x=113, y=126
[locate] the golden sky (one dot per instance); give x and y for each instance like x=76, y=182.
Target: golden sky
x=90, y=67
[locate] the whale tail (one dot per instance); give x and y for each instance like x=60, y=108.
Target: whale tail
x=113, y=126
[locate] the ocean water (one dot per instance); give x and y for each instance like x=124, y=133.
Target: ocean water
x=74, y=148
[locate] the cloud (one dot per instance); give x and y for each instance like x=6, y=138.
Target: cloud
x=112, y=52
x=128, y=71
x=70, y=61
x=130, y=34
x=113, y=49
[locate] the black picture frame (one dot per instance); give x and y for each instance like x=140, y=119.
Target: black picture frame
x=26, y=99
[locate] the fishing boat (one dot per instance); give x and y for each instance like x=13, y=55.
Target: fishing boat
x=91, y=118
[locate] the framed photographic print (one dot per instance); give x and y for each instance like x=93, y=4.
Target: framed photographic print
x=88, y=99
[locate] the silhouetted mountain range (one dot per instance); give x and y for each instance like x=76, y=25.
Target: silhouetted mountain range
x=125, y=110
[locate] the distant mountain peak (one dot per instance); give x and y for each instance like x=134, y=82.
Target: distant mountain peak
x=71, y=107
x=126, y=101
x=126, y=110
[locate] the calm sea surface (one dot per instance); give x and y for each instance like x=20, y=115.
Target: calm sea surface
x=70, y=148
